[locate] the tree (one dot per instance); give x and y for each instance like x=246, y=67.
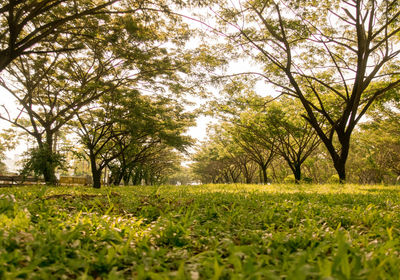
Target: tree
x=265, y=128
x=8, y=141
x=376, y=154
x=126, y=119
x=247, y=147
x=158, y=167
x=29, y=26
x=222, y=160
x=50, y=89
x=337, y=58
x=279, y=125
x=261, y=153
x=212, y=165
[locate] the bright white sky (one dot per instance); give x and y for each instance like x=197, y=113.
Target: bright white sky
x=9, y=102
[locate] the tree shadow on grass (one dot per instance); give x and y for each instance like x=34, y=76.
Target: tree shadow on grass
x=375, y=190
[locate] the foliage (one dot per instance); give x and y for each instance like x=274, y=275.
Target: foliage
x=39, y=159
x=336, y=57
x=8, y=141
x=375, y=155
x=202, y=232
x=36, y=27
x=133, y=133
x=221, y=159
x=130, y=45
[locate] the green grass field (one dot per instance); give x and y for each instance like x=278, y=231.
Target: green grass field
x=200, y=232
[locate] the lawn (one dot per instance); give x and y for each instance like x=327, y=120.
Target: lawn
x=200, y=232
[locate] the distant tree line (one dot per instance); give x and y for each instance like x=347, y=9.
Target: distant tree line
x=265, y=142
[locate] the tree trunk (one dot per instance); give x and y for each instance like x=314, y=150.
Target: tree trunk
x=264, y=174
x=118, y=180
x=49, y=172
x=297, y=173
x=296, y=170
x=339, y=161
x=340, y=166
x=127, y=177
x=96, y=179
x=96, y=172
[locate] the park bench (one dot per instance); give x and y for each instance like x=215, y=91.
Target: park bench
x=15, y=180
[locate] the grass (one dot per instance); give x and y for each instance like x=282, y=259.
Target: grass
x=200, y=232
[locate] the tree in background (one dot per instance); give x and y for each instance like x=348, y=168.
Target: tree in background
x=128, y=124
x=337, y=58
x=375, y=157
x=264, y=127
x=279, y=125
x=262, y=153
x=211, y=164
x=8, y=141
x=157, y=168
x=52, y=87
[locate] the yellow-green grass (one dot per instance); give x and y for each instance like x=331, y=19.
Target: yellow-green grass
x=200, y=232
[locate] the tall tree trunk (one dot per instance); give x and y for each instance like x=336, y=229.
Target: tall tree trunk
x=264, y=173
x=297, y=173
x=135, y=179
x=127, y=177
x=339, y=160
x=96, y=172
x=49, y=168
x=340, y=166
x=96, y=179
x=118, y=179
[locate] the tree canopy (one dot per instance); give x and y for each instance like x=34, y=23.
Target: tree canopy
x=118, y=77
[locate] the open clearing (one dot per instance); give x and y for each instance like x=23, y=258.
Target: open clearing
x=200, y=232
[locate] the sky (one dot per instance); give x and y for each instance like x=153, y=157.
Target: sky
x=9, y=102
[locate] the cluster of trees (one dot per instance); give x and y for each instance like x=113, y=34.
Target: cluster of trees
x=336, y=58
x=263, y=141
x=106, y=74
x=109, y=72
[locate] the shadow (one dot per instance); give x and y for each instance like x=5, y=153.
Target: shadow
x=375, y=190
